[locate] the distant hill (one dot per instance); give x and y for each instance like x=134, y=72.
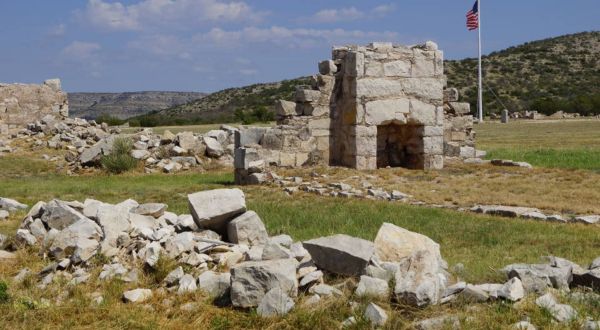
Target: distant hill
x=125, y=105
x=561, y=73
x=554, y=74
x=229, y=105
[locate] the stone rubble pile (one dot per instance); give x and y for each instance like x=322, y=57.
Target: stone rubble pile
x=8, y=205
x=86, y=142
x=227, y=253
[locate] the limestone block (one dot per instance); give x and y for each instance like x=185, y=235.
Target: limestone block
x=287, y=159
x=439, y=116
x=433, y=145
x=324, y=83
x=248, y=136
x=374, y=69
x=381, y=45
x=383, y=112
x=461, y=123
x=312, y=109
x=433, y=131
x=439, y=63
x=355, y=64
x=423, y=65
x=365, y=163
x=285, y=108
x=324, y=123
x=301, y=159
x=244, y=156
x=459, y=108
x=422, y=113
x=373, y=87
x=272, y=140
x=366, y=146
x=306, y=95
x=458, y=136
x=319, y=132
x=423, y=88
x=213, y=209
x=397, y=69
x=451, y=95
x=323, y=143
x=327, y=67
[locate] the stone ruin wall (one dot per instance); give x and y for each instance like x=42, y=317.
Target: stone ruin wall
x=369, y=107
x=21, y=104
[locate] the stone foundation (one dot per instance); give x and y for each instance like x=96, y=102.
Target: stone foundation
x=21, y=104
x=380, y=105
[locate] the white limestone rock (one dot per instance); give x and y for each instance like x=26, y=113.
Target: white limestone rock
x=137, y=295
x=341, y=254
x=276, y=302
x=213, y=209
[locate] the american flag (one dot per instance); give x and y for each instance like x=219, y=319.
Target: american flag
x=473, y=17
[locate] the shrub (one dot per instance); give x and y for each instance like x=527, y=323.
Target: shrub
x=4, y=297
x=120, y=159
x=110, y=120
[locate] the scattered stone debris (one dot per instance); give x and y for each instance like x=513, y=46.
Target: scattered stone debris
x=85, y=142
x=226, y=253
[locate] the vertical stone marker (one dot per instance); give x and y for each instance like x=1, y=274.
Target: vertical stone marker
x=504, y=118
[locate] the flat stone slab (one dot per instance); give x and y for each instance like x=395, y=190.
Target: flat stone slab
x=341, y=254
x=505, y=211
x=251, y=280
x=213, y=209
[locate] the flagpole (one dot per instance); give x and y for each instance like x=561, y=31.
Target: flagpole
x=480, y=91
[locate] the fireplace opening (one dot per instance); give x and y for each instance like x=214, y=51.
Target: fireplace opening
x=400, y=146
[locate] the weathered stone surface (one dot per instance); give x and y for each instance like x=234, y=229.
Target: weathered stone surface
x=247, y=229
x=536, y=278
x=114, y=221
x=11, y=205
x=588, y=219
x=213, y=209
x=25, y=237
x=372, y=287
x=285, y=108
x=505, y=211
x=174, y=276
x=137, y=295
x=79, y=241
x=512, y=290
x=394, y=244
x=560, y=312
x=275, y=303
x=420, y=280
x=213, y=147
x=341, y=254
x=523, y=325
x=217, y=285
x=439, y=323
x=376, y=315
x=155, y=210
x=187, y=284
x=6, y=255
x=273, y=251
x=58, y=215
x=4, y=214
x=590, y=279
x=251, y=280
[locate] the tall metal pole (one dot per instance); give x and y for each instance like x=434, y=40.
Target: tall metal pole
x=480, y=90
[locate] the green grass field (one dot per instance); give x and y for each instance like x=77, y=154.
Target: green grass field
x=483, y=244
x=573, y=144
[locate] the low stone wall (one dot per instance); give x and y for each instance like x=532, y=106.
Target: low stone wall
x=21, y=104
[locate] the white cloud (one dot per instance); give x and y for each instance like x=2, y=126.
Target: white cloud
x=337, y=15
x=291, y=38
x=349, y=14
x=58, y=30
x=383, y=10
x=147, y=14
x=81, y=51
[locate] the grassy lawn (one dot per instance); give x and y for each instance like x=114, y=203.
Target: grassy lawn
x=571, y=144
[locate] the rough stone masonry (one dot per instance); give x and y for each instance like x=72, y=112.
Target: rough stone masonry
x=21, y=104
x=369, y=107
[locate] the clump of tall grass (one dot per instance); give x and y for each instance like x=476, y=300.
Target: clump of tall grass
x=120, y=159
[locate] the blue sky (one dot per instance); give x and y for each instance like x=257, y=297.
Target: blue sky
x=208, y=45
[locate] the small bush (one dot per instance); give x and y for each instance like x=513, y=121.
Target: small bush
x=4, y=297
x=120, y=159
